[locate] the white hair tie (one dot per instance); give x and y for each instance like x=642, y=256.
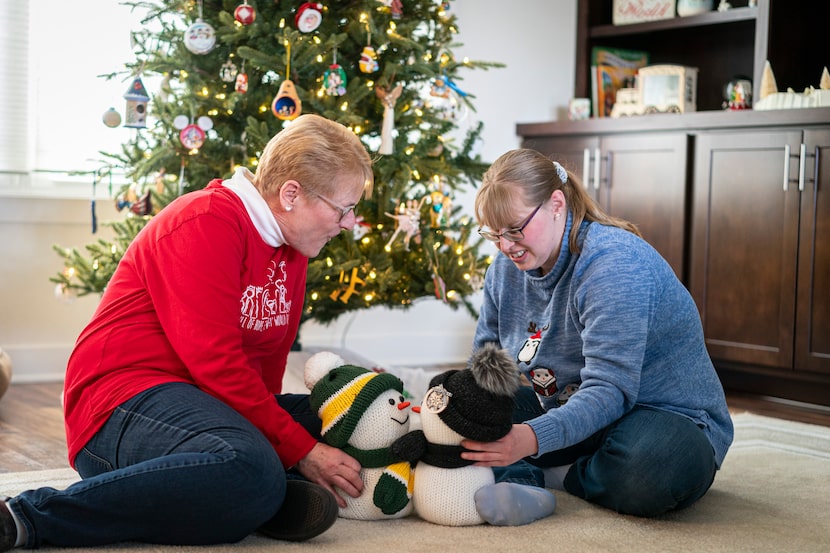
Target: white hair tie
x=560, y=172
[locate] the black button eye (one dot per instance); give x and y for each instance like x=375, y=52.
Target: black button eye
x=391, y=401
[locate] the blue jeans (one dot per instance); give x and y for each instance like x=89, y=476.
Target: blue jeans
x=172, y=465
x=647, y=463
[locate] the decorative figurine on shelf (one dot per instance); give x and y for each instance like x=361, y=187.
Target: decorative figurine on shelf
x=770, y=98
x=738, y=94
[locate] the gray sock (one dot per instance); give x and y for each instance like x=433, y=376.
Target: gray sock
x=512, y=504
x=555, y=477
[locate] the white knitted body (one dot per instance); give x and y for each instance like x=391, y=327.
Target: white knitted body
x=363, y=507
x=447, y=496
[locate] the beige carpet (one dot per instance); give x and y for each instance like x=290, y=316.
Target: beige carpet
x=770, y=496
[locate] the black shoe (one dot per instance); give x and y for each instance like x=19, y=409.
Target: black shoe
x=8, y=530
x=308, y=511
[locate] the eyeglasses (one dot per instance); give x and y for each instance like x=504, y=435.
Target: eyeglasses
x=512, y=234
x=343, y=211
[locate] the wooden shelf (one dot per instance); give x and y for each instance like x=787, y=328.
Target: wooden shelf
x=701, y=20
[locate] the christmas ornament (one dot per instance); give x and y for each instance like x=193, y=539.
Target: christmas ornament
x=395, y=7
x=388, y=98
x=368, y=60
x=111, y=118
x=200, y=38
x=244, y=13
x=334, y=79
x=136, y=112
x=228, y=71
x=193, y=135
x=287, y=104
x=407, y=221
x=309, y=16
x=241, y=85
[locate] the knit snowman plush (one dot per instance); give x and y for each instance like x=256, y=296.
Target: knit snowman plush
x=475, y=403
x=363, y=412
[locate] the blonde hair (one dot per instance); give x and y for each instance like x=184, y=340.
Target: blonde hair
x=316, y=152
x=535, y=178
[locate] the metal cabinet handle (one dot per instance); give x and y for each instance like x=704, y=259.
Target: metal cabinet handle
x=786, y=166
x=802, y=163
x=586, y=167
x=597, y=160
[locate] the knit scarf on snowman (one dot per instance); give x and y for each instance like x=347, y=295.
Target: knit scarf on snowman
x=393, y=490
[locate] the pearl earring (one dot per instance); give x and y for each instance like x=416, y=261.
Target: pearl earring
x=288, y=207
x=556, y=216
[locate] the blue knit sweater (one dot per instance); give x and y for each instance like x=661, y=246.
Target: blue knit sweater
x=605, y=330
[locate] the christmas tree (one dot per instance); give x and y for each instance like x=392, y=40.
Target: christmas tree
x=234, y=73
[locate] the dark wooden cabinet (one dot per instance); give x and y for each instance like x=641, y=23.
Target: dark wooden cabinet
x=761, y=257
x=812, y=344
x=722, y=45
x=745, y=196
x=641, y=178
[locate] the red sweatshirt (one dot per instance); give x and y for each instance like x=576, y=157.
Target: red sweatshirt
x=199, y=297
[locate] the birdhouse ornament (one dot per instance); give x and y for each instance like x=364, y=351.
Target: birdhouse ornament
x=135, y=114
x=475, y=403
x=363, y=412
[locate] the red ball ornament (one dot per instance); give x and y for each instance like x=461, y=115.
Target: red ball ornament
x=245, y=14
x=309, y=16
x=192, y=137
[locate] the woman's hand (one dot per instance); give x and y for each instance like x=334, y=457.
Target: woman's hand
x=519, y=443
x=332, y=468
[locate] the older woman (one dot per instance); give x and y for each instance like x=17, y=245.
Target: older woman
x=174, y=416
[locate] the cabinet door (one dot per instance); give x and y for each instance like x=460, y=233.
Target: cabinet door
x=643, y=180
x=745, y=244
x=812, y=346
x=578, y=154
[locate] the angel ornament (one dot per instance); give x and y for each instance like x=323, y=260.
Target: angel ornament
x=408, y=222
x=388, y=97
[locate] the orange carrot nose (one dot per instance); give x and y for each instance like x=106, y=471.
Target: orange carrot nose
x=417, y=409
x=403, y=405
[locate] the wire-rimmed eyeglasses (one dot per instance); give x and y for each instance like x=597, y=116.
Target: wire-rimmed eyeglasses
x=342, y=210
x=513, y=234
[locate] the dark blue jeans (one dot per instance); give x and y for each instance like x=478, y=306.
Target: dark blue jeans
x=647, y=463
x=172, y=465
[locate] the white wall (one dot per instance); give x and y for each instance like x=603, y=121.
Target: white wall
x=534, y=38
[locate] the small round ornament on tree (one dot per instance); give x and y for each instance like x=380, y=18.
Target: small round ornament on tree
x=244, y=13
x=111, y=118
x=309, y=16
x=200, y=38
x=193, y=135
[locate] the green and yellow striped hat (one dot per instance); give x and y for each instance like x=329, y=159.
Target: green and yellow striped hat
x=343, y=395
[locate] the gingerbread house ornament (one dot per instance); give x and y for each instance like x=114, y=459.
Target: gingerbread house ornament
x=136, y=110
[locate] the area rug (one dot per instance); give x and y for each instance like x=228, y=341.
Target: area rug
x=770, y=496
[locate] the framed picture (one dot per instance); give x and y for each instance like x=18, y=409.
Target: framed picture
x=668, y=88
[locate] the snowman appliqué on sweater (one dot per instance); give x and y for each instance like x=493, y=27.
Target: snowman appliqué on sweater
x=363, y=412
x=477, y=404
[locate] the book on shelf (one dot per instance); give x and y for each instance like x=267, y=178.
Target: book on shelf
x=611, y=70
